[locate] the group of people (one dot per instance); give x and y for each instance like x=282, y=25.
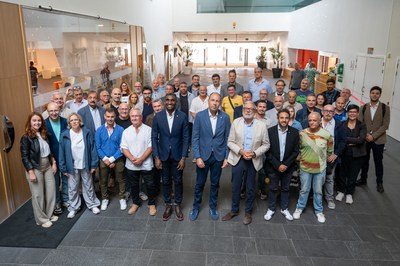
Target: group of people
x=142, y=138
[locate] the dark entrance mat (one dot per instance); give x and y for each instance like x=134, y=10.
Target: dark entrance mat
x=20, y=229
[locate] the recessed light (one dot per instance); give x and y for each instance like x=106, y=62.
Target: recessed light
x=100, y=25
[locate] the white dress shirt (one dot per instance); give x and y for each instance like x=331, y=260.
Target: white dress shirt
x=170, y=119
x=137, y=143
x=282, y=134
x=211, y=89
x=213, y=120
x=96, y=117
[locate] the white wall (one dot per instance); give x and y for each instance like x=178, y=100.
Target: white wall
x=153, y=15
x=185, y=18
x=344, y=27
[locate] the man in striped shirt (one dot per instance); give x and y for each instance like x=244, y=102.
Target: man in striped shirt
x=316, y=145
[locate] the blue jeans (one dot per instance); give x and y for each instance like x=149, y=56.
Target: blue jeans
x=169, y=172
x=243, y=172
x=317, y=181
x=61, y=196
x=215, y=169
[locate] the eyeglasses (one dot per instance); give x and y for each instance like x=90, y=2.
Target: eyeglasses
x=329, y=111
x=77, y=88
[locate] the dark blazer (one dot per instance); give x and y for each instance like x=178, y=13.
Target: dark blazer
x=88, y=119
x=302, y=115
x=356, y=142
x=53, y=142
x=238, y=112
x=204, y=142
x=174, y=143
x=340, y=138
x=273, y=161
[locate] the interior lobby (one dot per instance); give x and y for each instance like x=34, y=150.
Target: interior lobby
x=71, y=42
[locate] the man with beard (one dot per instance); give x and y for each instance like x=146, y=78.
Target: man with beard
x=147, y=105
x=92, y=115
x=195, y=86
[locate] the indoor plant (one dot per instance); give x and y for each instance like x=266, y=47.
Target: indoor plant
x=278, y=58
x=261, y=59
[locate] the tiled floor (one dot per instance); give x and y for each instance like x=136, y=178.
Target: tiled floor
x=364, y=233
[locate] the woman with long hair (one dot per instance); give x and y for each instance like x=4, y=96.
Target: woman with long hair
x=292, y=122
x=321, y=101
x=40, y=167
x=125, y=92
x=134, y=101
x=353, y=155
x=78, y=160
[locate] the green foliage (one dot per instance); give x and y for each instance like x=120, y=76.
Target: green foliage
x=277, y=56
x=263, y=55
x=185, y=53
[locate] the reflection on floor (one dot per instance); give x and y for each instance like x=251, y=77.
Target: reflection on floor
x=364, y=233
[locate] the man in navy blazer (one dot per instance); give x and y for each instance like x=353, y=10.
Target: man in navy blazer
x=280, y=162
x=210, y=149
x=170, y=143
x=92, y=114
x=55, y=125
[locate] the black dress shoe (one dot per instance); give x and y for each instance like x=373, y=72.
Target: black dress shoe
x=379, y=188
x=229, y=216
x=167, y=212
x=361, y=182
x=178, y=212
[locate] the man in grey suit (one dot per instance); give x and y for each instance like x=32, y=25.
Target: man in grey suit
x=92, y=115
x=232, y=81
x=248, y=141
x=209, y=144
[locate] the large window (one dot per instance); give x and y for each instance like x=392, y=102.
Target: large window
x=72, y=50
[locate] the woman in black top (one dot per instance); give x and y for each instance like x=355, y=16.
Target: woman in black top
x=353, y=155
x=40, y=167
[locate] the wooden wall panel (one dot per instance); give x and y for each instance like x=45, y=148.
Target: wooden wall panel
x=15, y=102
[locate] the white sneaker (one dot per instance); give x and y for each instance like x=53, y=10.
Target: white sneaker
x=104, y=204
x=321, y=217
x=268, y=215
x=339, y=196
x=71, y=214
x=53, y=218
x=47, y=224
x=287, y=215
x=122, y=203
x=349, y=199
x=331, y=204
x=95, y=210
x=143, y=196
x=297, y=213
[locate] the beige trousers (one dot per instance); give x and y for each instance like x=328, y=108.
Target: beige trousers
x=43, y=192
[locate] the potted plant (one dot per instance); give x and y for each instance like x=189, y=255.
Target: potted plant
x=278, y=58
x=261, y=59
x=186, y=53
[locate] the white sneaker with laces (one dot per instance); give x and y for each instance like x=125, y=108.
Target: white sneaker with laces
x=71, y=214
x=268, y=215
x=104, y=204
x=297, y=213
x=143, y=196
x=331, y=204
x=95, y=210
x=287, y=215
x=349, y=199
x=339, y=196
x=321, y=217
x=122, y=203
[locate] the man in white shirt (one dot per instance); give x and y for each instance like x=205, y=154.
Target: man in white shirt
x=199, y=103
x=216, y=86
x=136, y=146
x=58, y=98
x=292, y=95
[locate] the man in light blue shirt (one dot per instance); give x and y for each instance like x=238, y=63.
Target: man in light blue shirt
x=257, y=84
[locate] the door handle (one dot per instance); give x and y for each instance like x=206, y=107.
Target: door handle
x=9, y=133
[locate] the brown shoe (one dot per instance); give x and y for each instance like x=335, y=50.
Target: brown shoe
x=152, y=210
x=247, y=219
x=167, y=212
x=229, y=216
x=133, y=209
x=178, y=212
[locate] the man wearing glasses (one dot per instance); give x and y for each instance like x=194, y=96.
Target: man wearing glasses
x=248, y=141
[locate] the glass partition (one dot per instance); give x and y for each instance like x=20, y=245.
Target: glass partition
x=72, y=50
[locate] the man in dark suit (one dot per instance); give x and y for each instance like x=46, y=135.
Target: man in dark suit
x=280, y=162
x=170, y=143
x=92, y=115
x=56, y=124
x=209, y=144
